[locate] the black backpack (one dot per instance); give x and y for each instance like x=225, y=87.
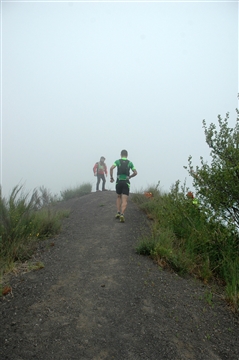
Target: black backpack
x=123, y=168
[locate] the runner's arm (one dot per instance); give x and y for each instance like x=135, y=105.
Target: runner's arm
x=131, y=165
x=111, y=172
x=134, y=173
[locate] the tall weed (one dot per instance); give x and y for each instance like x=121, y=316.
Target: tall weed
x=24, y=218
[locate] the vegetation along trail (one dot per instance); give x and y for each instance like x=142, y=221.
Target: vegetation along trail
x=96, y=298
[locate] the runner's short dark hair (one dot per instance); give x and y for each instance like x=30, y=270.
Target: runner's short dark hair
x=124, y=153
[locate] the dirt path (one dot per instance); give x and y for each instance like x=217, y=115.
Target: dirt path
x=97, y=299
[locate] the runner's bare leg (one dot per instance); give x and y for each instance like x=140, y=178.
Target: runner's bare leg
x=118, y=203
x=124, y=203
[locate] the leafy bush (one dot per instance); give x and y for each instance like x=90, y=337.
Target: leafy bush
x=217, y=183
x=206, y=228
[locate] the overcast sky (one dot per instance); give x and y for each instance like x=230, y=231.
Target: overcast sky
x=82, y=80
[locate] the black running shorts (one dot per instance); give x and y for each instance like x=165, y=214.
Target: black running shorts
x=122, y=187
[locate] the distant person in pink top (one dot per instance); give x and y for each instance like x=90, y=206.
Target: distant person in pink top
x=100, y=170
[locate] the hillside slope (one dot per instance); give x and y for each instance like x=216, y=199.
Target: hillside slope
x=96, y=298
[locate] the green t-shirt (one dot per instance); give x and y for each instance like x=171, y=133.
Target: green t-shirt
x=123, y=168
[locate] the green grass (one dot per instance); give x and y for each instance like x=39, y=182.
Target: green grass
x=77, y=191
x=24, y=219
x=185, y=238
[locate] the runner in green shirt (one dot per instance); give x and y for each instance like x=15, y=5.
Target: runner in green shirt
x=122, y=183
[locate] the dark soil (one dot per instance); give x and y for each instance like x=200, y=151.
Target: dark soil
x=96, y=298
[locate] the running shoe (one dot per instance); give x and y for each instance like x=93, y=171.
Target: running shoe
x=117, y=216
x=122, y=218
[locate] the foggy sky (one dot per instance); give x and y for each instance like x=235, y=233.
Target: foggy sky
x=84, y=80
